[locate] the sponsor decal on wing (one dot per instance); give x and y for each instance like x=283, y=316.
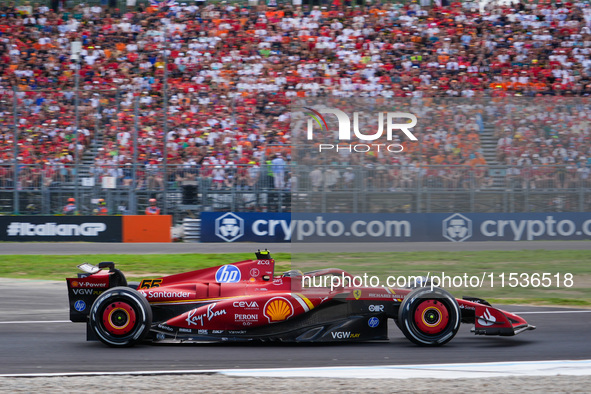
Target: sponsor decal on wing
x=487, y=319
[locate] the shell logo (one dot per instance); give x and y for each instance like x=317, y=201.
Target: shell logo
x=278, y=309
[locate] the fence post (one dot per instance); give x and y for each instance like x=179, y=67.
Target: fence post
x=354, y=190
x=132, y=191
x=76, y=126
x=419, y=199
x=45, y=194
x=526, y=207
x=15, y=206
x=581, y=197
x=165, y=127
x=473, y=188
x=97, y=117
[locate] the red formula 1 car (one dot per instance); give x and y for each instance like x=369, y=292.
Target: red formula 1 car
x=245, y=301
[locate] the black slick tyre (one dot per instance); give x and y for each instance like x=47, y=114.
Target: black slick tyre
x=429, y=317
x=120, y=317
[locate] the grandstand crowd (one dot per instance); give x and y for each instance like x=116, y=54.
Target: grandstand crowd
x=227, y=74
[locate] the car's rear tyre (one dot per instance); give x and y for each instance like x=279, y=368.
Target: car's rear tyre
x=120, y=317
x=429, y=317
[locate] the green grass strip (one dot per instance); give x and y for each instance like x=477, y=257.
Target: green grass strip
x=496, y=263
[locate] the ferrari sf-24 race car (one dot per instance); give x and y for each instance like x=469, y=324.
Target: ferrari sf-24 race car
x=245, y=301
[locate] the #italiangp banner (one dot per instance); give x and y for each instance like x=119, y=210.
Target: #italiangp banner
x=131, y=228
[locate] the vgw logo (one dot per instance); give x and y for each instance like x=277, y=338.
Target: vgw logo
x=344, y=132
x=229, y=227
x=457, y=228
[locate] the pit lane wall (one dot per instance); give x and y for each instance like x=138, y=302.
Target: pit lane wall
x=132, y=228
x=387, y=227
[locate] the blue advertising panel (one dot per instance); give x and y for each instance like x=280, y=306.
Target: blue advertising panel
x=245, y=227
x=427, y=227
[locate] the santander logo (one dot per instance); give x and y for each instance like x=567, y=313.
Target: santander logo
x=487, y=319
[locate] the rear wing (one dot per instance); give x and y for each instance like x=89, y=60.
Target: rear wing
x=88, y=285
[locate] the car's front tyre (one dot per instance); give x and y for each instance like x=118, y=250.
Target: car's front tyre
x=429, y=317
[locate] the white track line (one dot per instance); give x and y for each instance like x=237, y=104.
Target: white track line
x=432, y=371
x=34, y=321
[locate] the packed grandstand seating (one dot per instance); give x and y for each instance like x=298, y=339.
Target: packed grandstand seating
x=231, y=72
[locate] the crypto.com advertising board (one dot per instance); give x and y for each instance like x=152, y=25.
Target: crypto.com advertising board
x=411, y=227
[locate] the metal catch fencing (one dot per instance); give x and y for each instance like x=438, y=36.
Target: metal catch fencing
x=185, y=190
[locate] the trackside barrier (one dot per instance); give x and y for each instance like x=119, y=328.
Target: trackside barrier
x=191, y=230
x=138, y=228
x=394, y=227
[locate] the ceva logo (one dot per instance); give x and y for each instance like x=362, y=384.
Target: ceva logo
x=457, y=228
x=229, y=227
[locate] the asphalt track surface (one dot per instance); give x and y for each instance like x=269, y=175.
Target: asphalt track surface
x=35, y=337
x=73, y=248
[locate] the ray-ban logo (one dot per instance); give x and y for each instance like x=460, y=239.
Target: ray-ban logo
x=395, y=122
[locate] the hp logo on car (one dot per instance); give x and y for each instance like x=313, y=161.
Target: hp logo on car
x=80, y=305
x=373, y=322
x=227, y=274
